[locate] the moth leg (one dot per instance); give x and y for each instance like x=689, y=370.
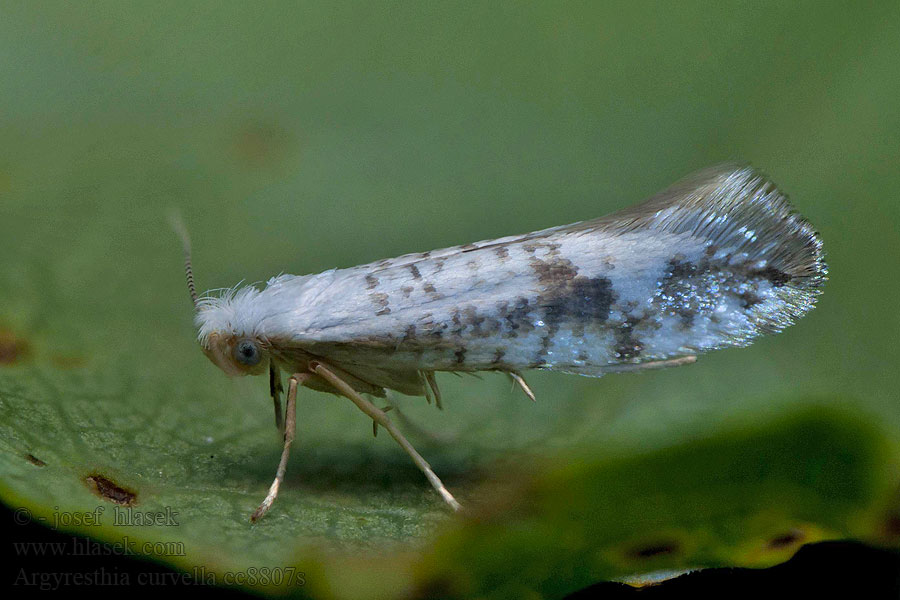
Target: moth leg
x=275, y=389
x=428, y=392
x=431, y=383
x=379, y=417
x=375, y=423
x=290, y=430
x=656, y=364
x=517, y=377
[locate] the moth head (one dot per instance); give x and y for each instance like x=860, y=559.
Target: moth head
x=236, y=354
x=229, y=332
x=223, y=321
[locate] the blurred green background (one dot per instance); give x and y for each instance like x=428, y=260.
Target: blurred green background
x=297, y=137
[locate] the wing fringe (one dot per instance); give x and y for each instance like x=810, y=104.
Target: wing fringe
x=732, y=206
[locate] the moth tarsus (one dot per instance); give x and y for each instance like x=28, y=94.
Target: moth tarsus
x=290, y=429
x=375, y=423
x=431, y=384
x=714, y=261
x=520, y=381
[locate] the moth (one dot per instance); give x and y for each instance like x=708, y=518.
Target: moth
x=714, y=261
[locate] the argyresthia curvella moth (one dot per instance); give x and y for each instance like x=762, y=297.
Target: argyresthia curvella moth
x=714, y=261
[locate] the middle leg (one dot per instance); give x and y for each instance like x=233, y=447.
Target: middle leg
x=381, y=419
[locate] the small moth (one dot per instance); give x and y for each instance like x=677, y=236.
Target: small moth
x=714, y=261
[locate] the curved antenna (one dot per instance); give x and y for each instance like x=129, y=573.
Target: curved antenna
x=181, y=230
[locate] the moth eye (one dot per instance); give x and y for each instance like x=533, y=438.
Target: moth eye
x=247, y=353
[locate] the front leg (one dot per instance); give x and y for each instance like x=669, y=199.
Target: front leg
x=275, y=389
x=378, y=416
x=290, y=429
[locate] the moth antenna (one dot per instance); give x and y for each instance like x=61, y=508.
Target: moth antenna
x=182, y=232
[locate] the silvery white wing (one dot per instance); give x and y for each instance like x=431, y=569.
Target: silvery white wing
x=714, y=261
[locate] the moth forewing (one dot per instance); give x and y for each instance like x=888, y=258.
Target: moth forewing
x=714, y=261
x=710, y=263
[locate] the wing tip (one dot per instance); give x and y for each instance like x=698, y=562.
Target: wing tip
x=747, y=212
x=735, y=205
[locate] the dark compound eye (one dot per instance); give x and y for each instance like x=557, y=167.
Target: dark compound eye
x=247, y=353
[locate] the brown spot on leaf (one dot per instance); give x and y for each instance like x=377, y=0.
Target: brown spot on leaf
x=891, y=528
x=786, y=539
x=654, y=550
x=258, y=144
x=12, y=349
x=35, y=460
x=109, y=490
x=436, y=587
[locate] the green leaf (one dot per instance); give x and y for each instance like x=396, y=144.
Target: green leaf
x=360, y=526
x=744, y=496
x=316, y=136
